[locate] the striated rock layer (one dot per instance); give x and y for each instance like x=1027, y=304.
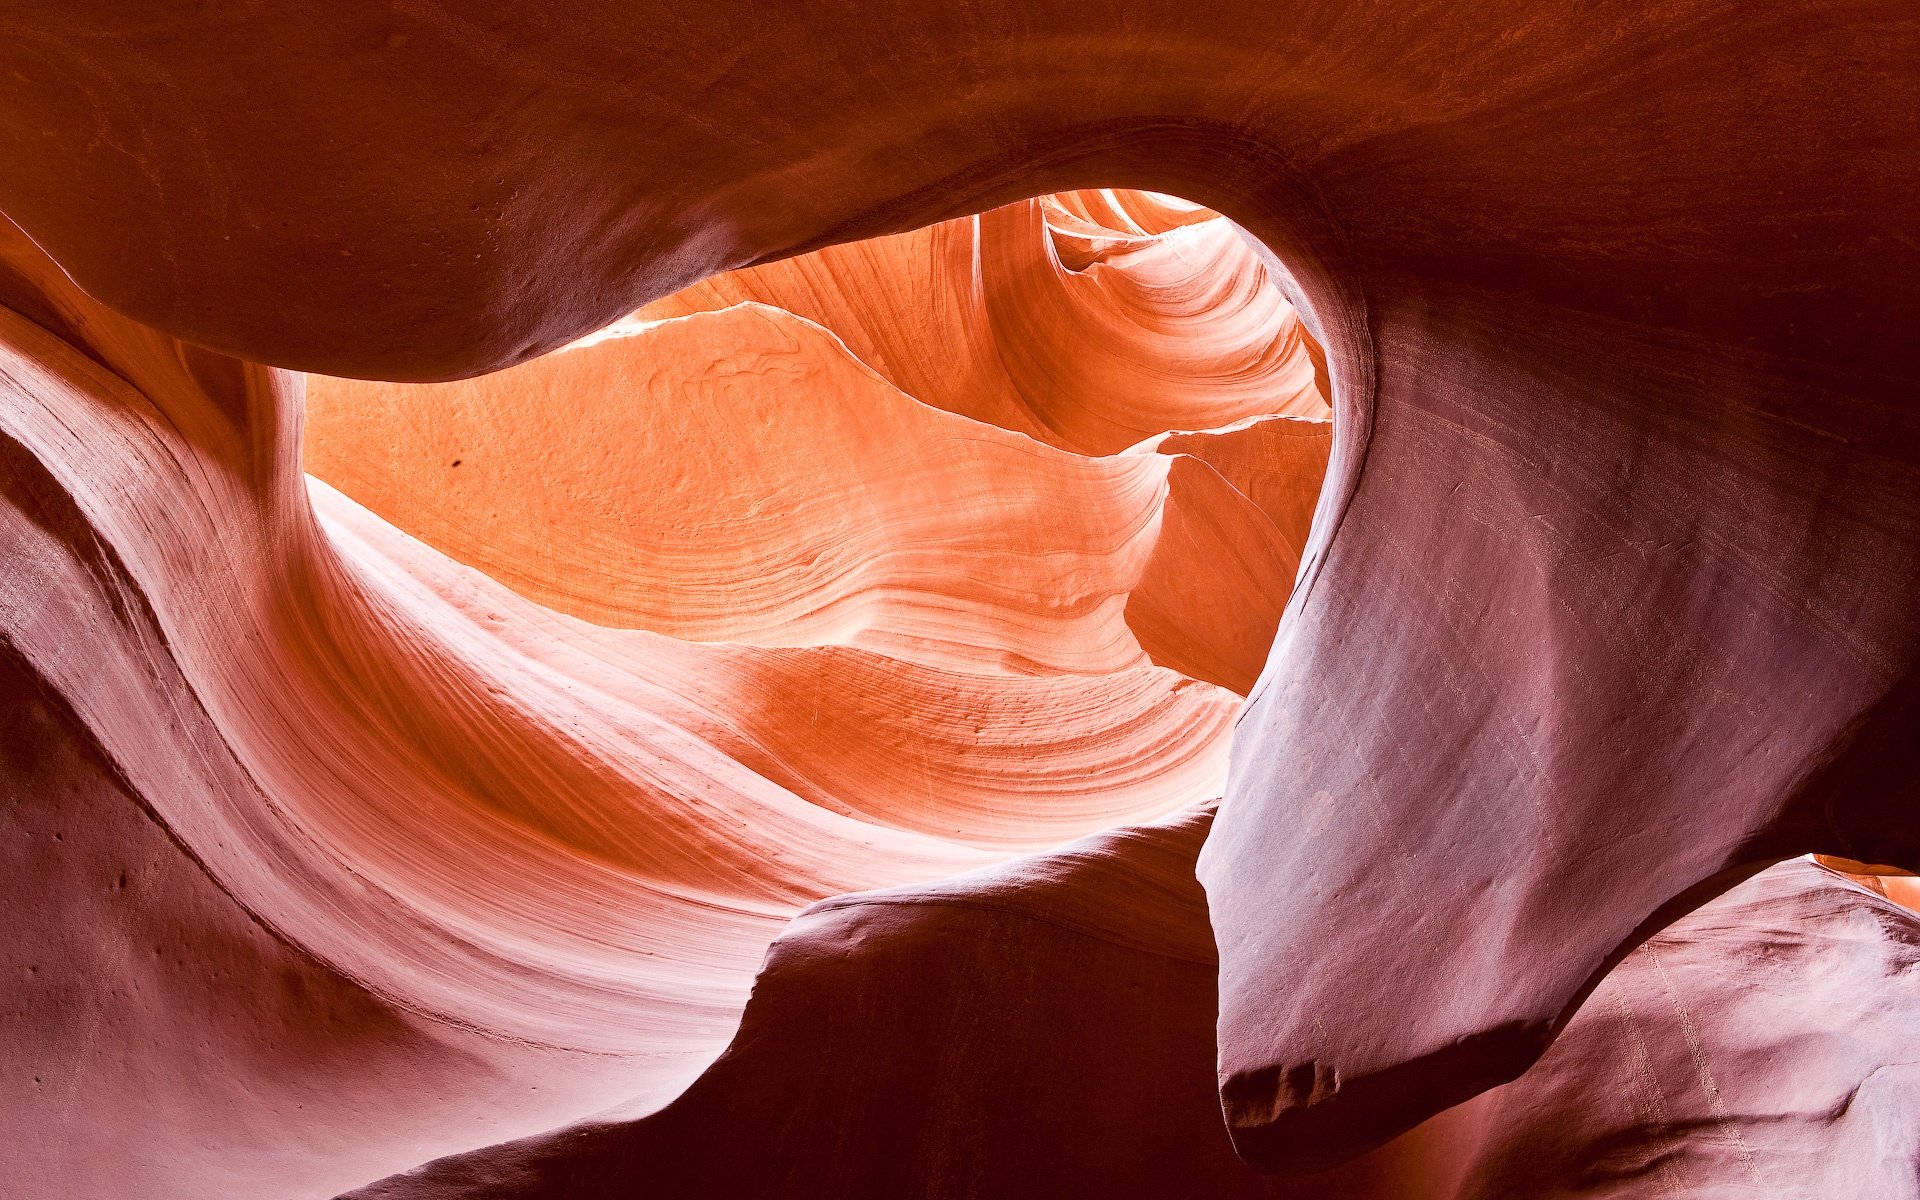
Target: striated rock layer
x=1088, y=320
x=1015, y=1032
x=508, y=866
x=1608, y=604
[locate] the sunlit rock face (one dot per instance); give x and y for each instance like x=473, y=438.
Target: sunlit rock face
x=1088, y=320
x=336, y=846
x=515, y=731
x=722, y=469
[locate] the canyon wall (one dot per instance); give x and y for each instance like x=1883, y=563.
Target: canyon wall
x=349, y=816
x=731, y=624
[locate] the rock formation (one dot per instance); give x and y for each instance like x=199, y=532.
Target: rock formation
x=418, y=811
x=834, y=639
x=1760, y=1047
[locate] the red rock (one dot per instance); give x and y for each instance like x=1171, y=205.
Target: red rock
x=1042, y=1029
x=1609, y=601
x=847, y=514
x=1038, y=319
x=516, y=866
x=1761, y=1046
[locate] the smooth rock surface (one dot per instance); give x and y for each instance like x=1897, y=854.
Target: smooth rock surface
x=1042, y=1029
x=1610, y=600
x=341, y=855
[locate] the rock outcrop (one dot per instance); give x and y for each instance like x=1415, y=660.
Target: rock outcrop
x=1023, y=1032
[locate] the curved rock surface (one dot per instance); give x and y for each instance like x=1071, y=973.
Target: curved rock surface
x=513, y=866
x=1609, y=601
x=1761, y=1046
x=1077, y=319
x=738, y=476
x=1014, y=1032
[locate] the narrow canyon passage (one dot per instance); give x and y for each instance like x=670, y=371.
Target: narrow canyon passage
x=538, y=708
x=615, y=601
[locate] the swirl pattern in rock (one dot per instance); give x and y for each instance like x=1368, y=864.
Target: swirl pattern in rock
x=833, y=639
x=1609, y=601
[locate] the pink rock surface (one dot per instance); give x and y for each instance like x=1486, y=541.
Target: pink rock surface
x=1610, y=599
x=515, y=867
x=1761, y=1046
x=1043, y=1029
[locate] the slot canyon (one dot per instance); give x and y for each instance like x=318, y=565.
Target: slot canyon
x=875, y=601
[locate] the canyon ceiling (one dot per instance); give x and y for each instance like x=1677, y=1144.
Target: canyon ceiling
x=880, y=600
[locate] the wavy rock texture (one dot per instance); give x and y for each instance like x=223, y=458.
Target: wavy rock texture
x=682, y=460
x=1609, y=600
x=960, y=1040
x=1089, y=320
x=839, y=639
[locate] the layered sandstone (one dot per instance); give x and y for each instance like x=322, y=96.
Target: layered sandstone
x=1608, y=602
x=730, y=624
